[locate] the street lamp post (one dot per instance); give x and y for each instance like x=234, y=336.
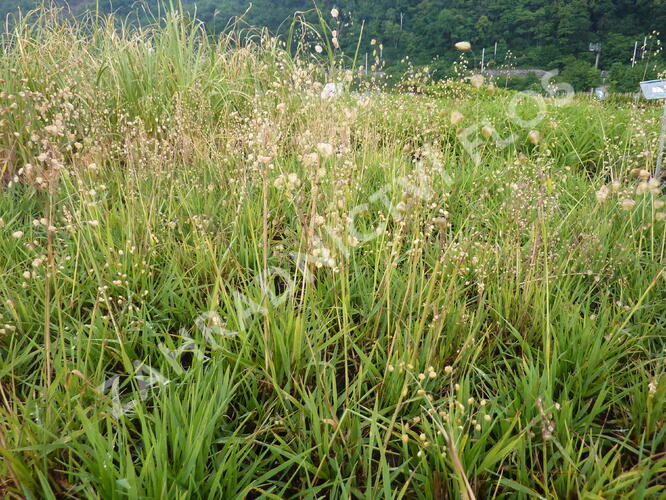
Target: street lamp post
x=596, y=47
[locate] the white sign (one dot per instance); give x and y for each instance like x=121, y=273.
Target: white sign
x=654, y=89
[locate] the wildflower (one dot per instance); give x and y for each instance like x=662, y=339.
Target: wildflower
x=288, y=182
x=477, y=81
x=373, y=42
x=293, y=179
x=487, y=418
x=310, y=160
x=652, y=388
x=534, y=137
x=321, y=256
x=602, y=194
x=441, y=223
x=318, y=49
x=93, y=223
x=325, y=149
x=487, y=132
x=659, y=216
x=456, y=118
x=642, y=188
x=17, y=234
x=653, y=185
x=464, y=46
x=335, y=13
x=627, y=204
x=658, y=204
x=448, y=369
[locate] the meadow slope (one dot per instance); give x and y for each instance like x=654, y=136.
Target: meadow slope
x=216, y=284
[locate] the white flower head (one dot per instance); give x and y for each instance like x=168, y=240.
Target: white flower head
x=477, y=81
x=627, y=204
x=602, y=194
x=325, y=149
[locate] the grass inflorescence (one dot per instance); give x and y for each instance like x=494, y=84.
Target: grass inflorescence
x=217, y=284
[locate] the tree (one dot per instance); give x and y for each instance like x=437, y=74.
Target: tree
x=580, y=74
x=538, y=32
x=573, y=24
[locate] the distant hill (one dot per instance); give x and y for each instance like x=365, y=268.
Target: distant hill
x=524, y=32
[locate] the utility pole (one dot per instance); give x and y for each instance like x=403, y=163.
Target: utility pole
x=644, y=47
x=483, y=58
x=660, y=157
x=633, y=59
x=400, y=36
x=495, y=52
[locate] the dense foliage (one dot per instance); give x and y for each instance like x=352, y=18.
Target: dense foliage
x=536, y=33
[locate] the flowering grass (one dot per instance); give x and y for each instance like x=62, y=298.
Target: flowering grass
x=216, y=284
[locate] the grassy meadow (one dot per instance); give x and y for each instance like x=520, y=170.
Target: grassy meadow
x=215, y=283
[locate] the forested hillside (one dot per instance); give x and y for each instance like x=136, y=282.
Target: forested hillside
x=536, y=33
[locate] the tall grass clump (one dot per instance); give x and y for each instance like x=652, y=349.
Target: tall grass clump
x=218, y=284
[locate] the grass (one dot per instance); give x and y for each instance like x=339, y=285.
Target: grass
x=188, y=312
